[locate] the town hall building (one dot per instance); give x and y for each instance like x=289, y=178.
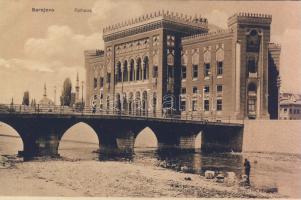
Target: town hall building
x=166, y=62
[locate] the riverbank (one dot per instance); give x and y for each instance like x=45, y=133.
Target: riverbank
x=112, y=179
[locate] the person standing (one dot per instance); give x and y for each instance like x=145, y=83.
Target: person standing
x=247, y=166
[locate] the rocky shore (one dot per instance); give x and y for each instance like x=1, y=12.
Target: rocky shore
x=111, y=179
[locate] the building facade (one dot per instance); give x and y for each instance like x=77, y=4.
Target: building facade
x=168, y=62
x=290, y=106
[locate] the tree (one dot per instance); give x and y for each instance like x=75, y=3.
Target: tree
x=66, y=93
x=25, y=98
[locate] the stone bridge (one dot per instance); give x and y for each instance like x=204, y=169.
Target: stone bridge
x=41, y=132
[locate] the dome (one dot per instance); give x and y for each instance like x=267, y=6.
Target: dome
x=46, y=101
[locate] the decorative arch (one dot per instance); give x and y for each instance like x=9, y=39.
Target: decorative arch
x=207, y=57
x=195, y=59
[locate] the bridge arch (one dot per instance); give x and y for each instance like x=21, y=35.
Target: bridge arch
x=79, y=141
x=146, y=138
x=11, y=140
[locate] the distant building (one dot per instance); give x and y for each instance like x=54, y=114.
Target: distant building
x=168, y=60
x=290, y=106
x=45, y=101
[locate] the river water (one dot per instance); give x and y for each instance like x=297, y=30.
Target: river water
x=268, y=170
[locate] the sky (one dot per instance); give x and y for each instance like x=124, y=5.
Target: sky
x=38, y=48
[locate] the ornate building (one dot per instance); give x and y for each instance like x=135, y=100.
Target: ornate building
x=167, y=60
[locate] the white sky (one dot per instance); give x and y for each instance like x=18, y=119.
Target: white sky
x=38, y=48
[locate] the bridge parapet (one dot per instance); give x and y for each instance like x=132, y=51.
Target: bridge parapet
x=114, y=113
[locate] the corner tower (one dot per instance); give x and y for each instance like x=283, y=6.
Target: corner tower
x=251, y=44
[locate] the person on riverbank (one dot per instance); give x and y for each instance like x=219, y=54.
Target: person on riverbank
x=247, y=166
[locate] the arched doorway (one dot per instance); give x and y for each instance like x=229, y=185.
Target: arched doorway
x=80, y=141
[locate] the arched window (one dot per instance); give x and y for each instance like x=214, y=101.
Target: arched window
x=132, y=71
x=137, y=103
x=95, y=83
x=108, y=103
x=130, y=101
x=145, y=68
x=154, y=103
x=138, y=70
x=252, y=87
x=124, y=102
x=144, y=102
x=118, y=72
x=118, y=102
x=252, y=64
x=125, y=71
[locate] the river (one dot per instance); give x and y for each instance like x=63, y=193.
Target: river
x=268, y=170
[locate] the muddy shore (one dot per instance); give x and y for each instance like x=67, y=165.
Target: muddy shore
x=112, y=179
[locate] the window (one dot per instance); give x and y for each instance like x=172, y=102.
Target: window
x=95, y=83
x=219, y=104
x=155, y=71
x=194, y=71
x=183, y=105
x=183, y=90
x=183, y=72
x=194, y=90
x=290, y=111
x=108, y=77
x=285, y=110
x=206, y=105
x=219, y=68
x=101, y=81
x=251, y=105
x=252, y=65
x=170, y=71
x=207, y=69
x=206, y=89
x=194, y=105
x=219, y=88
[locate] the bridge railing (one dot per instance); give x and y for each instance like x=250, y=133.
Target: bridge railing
x=66, y=110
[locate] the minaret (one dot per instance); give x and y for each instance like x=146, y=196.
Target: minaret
x=77, y=89
x=54, y=95
x=45, y=92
